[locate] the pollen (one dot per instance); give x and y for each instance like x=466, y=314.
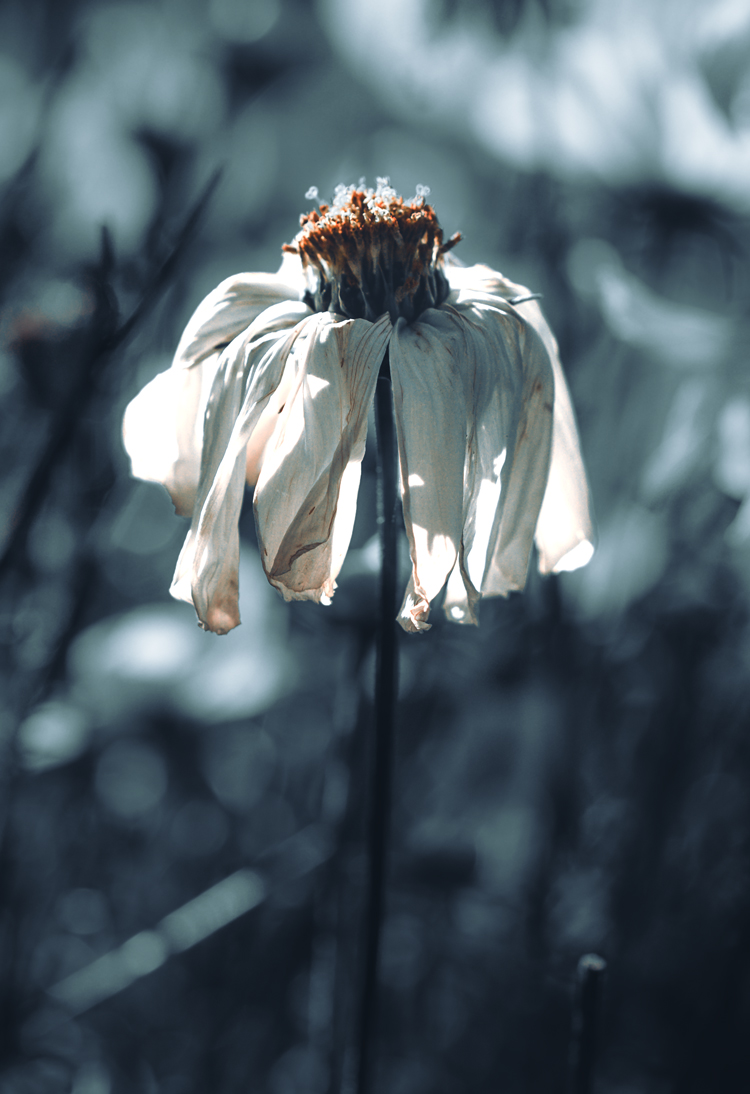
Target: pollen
x=370, y=252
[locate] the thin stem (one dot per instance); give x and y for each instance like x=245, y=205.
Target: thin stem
x=385, y=700
x=589, y=976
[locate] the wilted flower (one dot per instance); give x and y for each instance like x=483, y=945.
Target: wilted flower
x=272, y=382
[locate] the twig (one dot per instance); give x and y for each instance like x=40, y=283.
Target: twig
x=589, y=976
x=105, y=337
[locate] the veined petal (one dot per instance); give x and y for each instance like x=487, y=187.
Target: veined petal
x=527, y=463
x=565, y=532
x=207, y=571
x=163, y=427
x=513, y=412
x=306, y=494
x=231, y=308
x=274, y=319
x=163, y=430
x=249, y=372
x=493, y=380
x=430, y=411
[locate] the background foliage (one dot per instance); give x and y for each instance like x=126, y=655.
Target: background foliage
x=573, y=775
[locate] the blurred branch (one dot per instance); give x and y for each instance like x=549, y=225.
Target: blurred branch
x=588, y=991
x=193, y=922
x=105, y=337
x=165, y=272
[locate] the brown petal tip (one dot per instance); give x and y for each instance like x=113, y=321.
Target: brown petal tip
x=220, y=621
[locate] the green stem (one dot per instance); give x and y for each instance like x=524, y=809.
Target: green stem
x=385, y=702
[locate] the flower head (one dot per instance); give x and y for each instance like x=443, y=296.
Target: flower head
x=372, y=253
x=272, y=382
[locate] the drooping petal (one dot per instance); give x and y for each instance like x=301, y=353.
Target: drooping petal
x=493, y=379
x=231, y=308
x=526, y=467
x=163, y=425
x=508, y=385
x=305, y=499
x=430, y=410
x=163, y=430
x=565, y=532
x=249, y=372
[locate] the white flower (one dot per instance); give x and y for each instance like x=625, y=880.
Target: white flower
x=273, y=379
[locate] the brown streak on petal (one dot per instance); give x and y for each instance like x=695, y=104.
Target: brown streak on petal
x=278, y=572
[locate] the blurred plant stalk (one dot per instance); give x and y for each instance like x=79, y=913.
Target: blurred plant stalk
x=104, y=338
x=586, y=1006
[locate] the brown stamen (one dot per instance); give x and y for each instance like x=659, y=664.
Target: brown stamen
x=371, y=253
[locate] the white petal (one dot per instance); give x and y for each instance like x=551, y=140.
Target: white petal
x=494, y=398
x=415, y=608
x=565, y=532
x=482, y=279
x=565, y=519
x=231, y=308
x=346, y=511
x=509, y=450
x=290, y=272
x=249, y=372
x=163, y=425
x=499, y=374
x=306, y=493
x=163, y=430
x=525, y=471
x=207, y=572
x=430, y=408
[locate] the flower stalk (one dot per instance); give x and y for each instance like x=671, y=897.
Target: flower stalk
x=386, y=683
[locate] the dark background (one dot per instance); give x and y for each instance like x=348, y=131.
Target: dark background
x=574, y=775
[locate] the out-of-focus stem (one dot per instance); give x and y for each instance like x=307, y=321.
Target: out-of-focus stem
x=589, y=976
x=385, y=701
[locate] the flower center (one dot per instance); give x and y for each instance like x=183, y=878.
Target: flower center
x=371, y=252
